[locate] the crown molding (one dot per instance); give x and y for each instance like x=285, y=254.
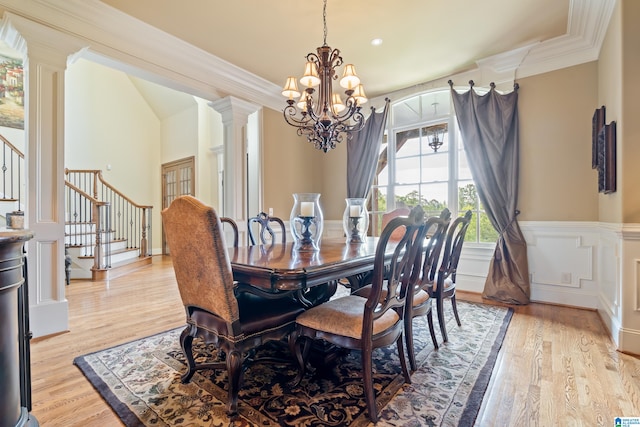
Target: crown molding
x=587, y=27
x=188, y=68
x=98, y=27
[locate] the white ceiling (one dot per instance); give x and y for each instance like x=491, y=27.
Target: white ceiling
x=423, y=40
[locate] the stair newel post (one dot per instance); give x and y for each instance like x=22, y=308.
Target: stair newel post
x=97, y=253
x=143, y=240
x=106, y=220
x=96, y=175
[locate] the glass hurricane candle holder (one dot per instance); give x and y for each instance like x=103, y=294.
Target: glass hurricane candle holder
x=306, y=221
x=355, y=220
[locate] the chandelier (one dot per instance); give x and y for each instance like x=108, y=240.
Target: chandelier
x=325, y=119
x=437, y=136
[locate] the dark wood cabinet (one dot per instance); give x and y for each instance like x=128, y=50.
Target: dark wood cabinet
x=15, y=334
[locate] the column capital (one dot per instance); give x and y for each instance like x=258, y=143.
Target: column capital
x=43, y=44
x=234, y=109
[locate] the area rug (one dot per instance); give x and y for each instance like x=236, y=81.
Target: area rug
x=140, y=380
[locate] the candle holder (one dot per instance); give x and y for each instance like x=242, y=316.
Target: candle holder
x=355, y=220
x=306, y=222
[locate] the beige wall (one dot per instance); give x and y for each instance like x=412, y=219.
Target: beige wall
x=106, y=116
x=556, y=179
x=557, y=182
x=628, y=121
x=609, y=95
x=292, y=165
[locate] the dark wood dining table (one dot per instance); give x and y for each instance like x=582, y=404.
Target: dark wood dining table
x=279, y=270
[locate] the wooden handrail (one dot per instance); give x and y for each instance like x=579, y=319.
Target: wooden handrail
x=82, y=193
x=13, y=147
x=98, y=173
x=116, y=216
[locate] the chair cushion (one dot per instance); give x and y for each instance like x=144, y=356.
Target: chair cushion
x=420, y=298
x=344, y=316
x=448, y=284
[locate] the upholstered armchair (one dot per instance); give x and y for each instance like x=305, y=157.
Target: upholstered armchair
x=234, y=325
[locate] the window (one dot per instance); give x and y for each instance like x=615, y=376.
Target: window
x=422, y=161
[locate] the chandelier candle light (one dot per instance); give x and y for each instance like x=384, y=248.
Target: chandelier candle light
x=326, y=119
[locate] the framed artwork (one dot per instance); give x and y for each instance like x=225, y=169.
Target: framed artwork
x=606, y=148
x=597, y=122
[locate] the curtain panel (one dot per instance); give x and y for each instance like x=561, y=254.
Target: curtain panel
x=362, y=153
x=489, y=127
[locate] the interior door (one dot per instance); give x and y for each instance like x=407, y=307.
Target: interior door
x=178, y=178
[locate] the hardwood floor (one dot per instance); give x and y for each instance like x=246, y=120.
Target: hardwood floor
x=557, y=365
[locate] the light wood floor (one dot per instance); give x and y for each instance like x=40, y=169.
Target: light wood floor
x=557, y=365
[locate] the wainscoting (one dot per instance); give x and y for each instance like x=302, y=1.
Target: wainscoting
x=589, y=265
x=582, y=264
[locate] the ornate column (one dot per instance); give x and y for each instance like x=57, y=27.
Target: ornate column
x=44, y=66
x=235, y=113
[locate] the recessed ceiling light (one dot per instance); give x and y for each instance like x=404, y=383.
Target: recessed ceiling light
x=376, y=42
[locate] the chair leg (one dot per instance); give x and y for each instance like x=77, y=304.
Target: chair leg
x=455, y=309
x=443, y=326
x=408, y=338
x=234, y=371
x=432, y=330
x=367, y=379
x=403, y=361
x=186, y=341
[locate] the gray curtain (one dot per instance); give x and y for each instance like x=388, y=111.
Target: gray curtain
x=489, y=127
x=362, y=153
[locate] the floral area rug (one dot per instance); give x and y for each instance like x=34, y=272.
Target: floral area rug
x=141, y=381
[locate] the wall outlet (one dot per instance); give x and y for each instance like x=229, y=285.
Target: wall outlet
x=565, y=278
x=270, y=211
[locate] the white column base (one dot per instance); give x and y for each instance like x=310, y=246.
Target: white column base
x=49, y=318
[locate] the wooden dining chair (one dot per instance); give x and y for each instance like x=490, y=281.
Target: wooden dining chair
x=235, y=325
x=422, y=280
x=365, y=324
x=265, y=231
x=445, y=283
x=418, y=302
x=395, y=213
x=234, y=228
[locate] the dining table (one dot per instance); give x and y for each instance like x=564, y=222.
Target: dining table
x=280, y=270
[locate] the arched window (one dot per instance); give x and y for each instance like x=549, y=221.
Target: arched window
x=422, y=161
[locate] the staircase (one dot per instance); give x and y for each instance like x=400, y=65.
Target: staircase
x=106, y=233
x=11, y=179
x=114, y=258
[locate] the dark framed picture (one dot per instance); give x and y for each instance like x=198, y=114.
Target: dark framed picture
x=606, y=147
x=597, y=123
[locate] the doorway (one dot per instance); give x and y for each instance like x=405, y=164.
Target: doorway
x=178, y=179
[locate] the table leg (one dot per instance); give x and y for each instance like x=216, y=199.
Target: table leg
x=318, y=294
